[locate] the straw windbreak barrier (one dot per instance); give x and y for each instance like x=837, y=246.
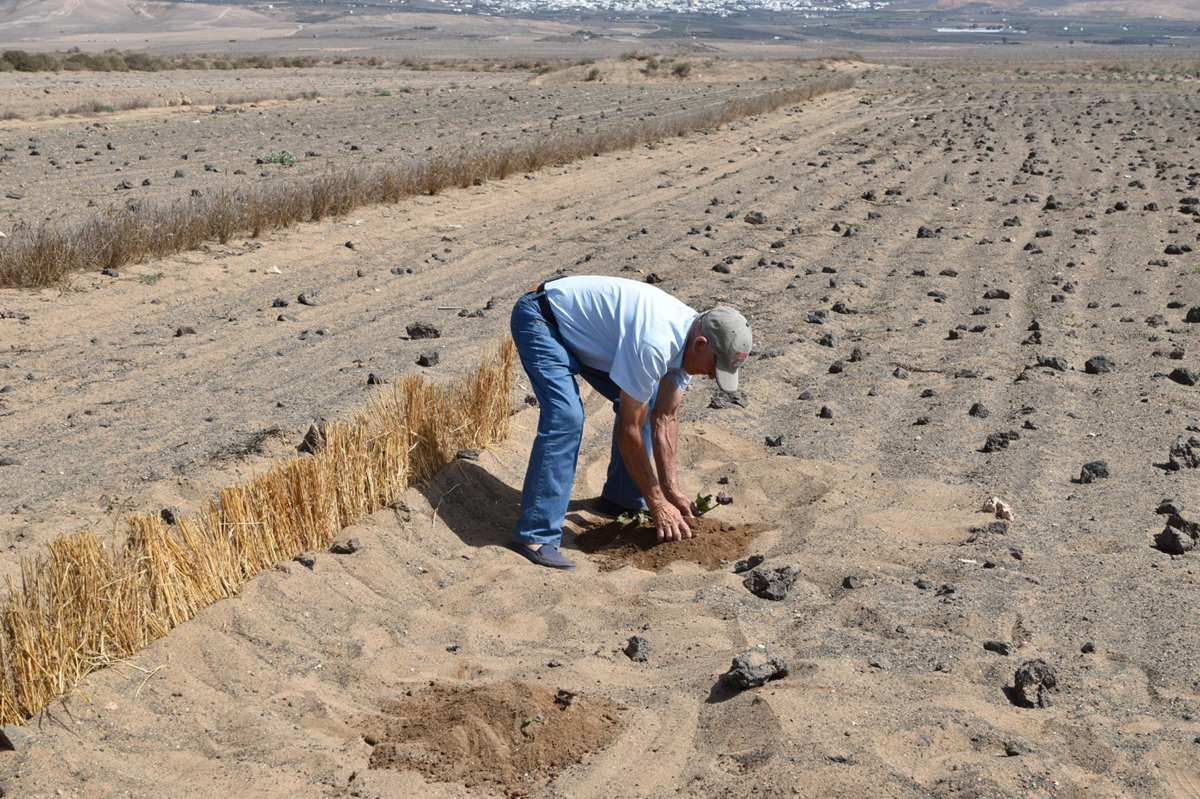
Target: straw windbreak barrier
x=87, y=602
x=44, y=255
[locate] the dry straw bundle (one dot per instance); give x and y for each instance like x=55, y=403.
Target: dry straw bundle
x=88, y=602
x=45, y=255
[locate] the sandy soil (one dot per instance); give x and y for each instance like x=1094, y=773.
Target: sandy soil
x=237, y=124
x=857, y=311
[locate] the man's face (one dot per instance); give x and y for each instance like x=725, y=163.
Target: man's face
x=699, y=359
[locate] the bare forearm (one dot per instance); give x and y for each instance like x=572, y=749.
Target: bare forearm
x=668, y=508
x=665, y=435
x=633, y=452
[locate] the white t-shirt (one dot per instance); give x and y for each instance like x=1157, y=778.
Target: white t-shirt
x=633, y=331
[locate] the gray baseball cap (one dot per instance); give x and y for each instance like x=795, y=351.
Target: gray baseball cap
x=728, y=335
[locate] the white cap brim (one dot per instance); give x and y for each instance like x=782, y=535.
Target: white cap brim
x=726, y=380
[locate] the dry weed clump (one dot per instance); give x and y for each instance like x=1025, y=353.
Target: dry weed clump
x=112, y=60
x=88, y=602
x=75, y=60
x=42, y=256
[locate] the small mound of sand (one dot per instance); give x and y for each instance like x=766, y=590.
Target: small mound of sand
x=615, y=544
x=512, y=733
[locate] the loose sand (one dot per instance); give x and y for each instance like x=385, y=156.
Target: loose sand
x=891, y=691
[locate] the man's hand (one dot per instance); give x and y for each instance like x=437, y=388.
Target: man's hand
x=686, y=507
x=669, y=523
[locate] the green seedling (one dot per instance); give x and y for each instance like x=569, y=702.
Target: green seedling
x=706, y=502
x=281, y=157
x=702, y=505
x=639, y=516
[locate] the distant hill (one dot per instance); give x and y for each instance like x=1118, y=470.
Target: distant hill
x=1132, y=9
x=38, y=18
x=109, y=23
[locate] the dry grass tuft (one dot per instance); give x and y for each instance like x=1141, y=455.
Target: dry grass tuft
x=87, y=602
x=44, y=255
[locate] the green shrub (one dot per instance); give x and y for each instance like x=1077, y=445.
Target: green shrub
x=80, y=62
x=141, y=62
x=593, y=74
x=112, y=60
x=30, y=62
x=682, y=69
x=281, y=157
x=258, y=62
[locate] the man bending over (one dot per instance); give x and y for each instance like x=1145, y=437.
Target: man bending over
x=639, y=347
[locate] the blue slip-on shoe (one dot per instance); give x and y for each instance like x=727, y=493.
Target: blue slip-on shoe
x=546, y=556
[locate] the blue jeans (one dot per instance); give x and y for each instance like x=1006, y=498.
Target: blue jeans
x=552, y=368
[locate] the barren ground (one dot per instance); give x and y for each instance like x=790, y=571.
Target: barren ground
x=891, y=691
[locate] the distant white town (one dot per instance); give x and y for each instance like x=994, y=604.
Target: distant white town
x=719, y=8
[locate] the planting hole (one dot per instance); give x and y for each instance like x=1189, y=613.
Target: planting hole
x=614, y=544
x=511, y=735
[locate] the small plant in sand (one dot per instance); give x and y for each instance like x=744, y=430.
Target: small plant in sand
x=638, y=516
x=706, y=502
x=281, y=157
x=701, y=505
